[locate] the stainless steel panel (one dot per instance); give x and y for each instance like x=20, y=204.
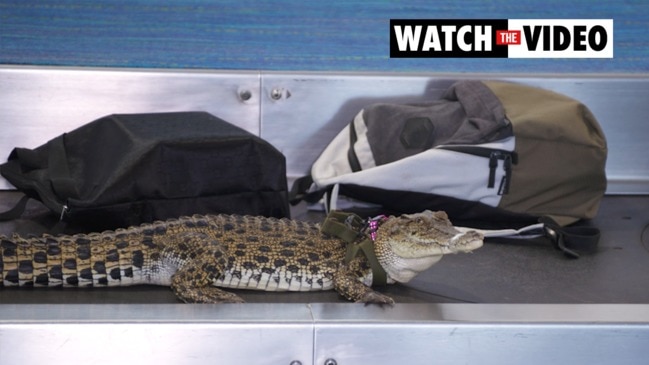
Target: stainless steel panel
x=309, y=109
x=528, y=314
x=461, y=343
x=315, y=333
x=312, y=108
x=481, y=334
x=156, y=334
x=299, y=113
x=155, y=344
x=38, y=104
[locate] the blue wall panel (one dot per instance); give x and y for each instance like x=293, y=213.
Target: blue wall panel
x=333, y=35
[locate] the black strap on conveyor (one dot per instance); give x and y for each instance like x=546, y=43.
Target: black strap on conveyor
x=15, y=212
x=570, y=239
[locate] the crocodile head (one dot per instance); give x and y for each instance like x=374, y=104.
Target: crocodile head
x=411, y=243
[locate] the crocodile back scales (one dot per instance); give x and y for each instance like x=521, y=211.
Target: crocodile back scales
x=256, y=252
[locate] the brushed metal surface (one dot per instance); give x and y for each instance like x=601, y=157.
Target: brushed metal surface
x=299, y=112
x=462, y=343
x=326, y=313
x=526, y=314
x=315, y=333
x=155, y=334
x=156, y=313
x=315, y=107
x=481, y=334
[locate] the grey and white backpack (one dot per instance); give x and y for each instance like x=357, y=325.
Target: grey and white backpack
x=486, y=151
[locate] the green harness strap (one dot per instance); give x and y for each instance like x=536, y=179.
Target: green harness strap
x=349, y=227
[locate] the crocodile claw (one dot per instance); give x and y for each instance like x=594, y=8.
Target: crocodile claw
x=374, y=297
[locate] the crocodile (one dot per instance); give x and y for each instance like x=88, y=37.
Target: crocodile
x=201, y=256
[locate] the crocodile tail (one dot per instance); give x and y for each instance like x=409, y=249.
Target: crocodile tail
x=5, y=250
x=16, y=260
x=32, y=261
x=96, y=259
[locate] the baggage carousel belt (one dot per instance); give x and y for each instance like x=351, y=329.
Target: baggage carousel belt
x=522, y=271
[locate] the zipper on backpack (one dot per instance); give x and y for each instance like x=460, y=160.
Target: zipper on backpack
x=505, y=182
x=493, y=164
x=509, y=158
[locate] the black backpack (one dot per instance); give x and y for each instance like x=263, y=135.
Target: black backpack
x=123, y=170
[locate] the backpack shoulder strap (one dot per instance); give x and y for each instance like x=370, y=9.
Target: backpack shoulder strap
x=300, y=191
x=568, y=239
x=15, y=212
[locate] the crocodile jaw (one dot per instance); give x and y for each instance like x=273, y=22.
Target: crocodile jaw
x=410, y=244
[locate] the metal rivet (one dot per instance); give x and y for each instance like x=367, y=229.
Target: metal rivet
x=276, y=94
x=330, y=362
x=245, y=95
x=296, y=362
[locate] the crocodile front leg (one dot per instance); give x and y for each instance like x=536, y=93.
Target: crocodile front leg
x=201, y=261
x=347, y=283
